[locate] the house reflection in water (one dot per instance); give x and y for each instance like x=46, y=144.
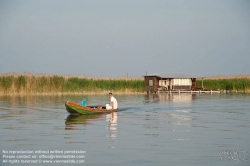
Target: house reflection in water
x=173, y=109
x=174, y=97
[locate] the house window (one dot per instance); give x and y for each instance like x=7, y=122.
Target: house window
x=150, y=82
x=182, y=82
x=163, y=82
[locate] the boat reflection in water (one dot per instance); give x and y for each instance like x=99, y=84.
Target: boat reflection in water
x=72, y=121
x=80, y=122
x=112, y=126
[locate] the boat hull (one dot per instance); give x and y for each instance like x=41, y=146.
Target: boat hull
x=74, y=108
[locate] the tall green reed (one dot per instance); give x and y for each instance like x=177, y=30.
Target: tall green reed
x=225, y=84
x=55, y=83
x=6, y=83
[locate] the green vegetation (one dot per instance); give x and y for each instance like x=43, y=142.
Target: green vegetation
x=61, y=84
x=5, y=83
x=239, y=84
x=77, y=84
x=29, y=83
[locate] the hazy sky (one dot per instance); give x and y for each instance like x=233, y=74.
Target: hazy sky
x=125, y=37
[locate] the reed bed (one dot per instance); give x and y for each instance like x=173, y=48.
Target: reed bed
x=230, y=84
x=28, y=83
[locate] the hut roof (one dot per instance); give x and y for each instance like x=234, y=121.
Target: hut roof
x=174, y=75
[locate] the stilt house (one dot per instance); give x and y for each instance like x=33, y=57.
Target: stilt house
x=170, y=81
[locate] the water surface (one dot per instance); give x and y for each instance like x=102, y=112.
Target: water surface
x=165, y=129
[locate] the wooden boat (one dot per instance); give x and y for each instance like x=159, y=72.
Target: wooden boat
x=74, y=108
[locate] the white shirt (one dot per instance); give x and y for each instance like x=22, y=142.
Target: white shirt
x=112, y=99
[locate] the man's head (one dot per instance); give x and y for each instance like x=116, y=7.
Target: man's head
x=110, y=94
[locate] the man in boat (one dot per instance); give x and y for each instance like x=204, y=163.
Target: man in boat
x=113, y=102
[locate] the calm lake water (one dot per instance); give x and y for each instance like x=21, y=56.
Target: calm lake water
x=176, y=129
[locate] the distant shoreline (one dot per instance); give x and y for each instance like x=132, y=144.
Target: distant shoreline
x=118, y=77
x=217, y=77
x=70, y=93
x=70, y=76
